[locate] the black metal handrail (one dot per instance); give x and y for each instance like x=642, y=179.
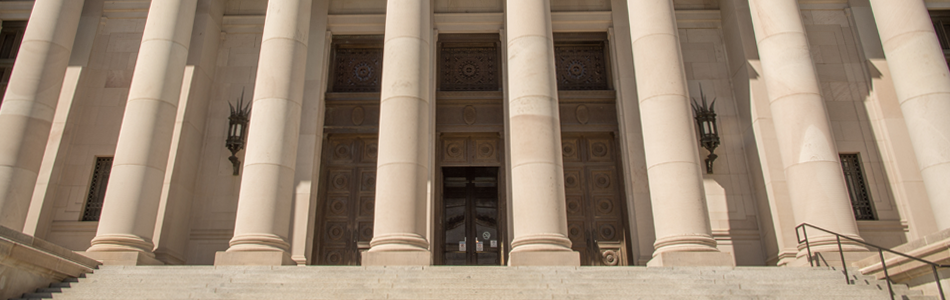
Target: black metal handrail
x=880, y=250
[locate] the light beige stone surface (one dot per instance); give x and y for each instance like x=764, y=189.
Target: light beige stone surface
x=750, y=209
x=537, y=170
x=922, y=84
x=313, y=111
x=28, y=263
x=264, y=209
x=127, y=222
x=692, y=259
x=680, y=217
x=30, y=102
x=403, y=164
x=809, y=154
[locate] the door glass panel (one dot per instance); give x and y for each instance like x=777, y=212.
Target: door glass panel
x=470, y=216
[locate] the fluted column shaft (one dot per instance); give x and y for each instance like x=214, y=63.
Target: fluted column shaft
x=32, y=94
x=673, y=164
x=138, y=171
x=404, y=143
x=537, y=168
x=922, y=83
x=809, y=155
x=264, y=206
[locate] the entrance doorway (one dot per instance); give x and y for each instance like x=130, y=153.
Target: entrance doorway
x=348, y=199
x=470, y=216
x=595, y=206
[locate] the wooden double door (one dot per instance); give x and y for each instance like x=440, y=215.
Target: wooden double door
x=348, y=186
x=594, y=196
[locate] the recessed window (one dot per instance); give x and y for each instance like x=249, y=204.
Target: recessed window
x=97, y=189
x=857, y=187
x=11, y=35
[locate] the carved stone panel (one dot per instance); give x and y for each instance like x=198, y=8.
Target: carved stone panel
x=357, y=69
x=340, y=114
x=469, y=69
x=570, y=150
x=477, y=149
x=486, y=150
x=581, y=67
x=454, y=150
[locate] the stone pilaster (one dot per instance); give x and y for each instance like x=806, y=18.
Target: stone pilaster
x=262, y=225
x=399, y=231
x=812, y=169
x=681, y=221
x=922, y=82
x=131, y=202
x=537, y=169
x=29, y=104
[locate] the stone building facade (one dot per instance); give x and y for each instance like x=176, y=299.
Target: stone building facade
x=528, y=132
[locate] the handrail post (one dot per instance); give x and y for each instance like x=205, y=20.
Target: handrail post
x=844, y=265
x=887, y=277
x=808, y=246
x=937, y=281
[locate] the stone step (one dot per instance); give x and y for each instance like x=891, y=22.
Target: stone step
x=290, y=282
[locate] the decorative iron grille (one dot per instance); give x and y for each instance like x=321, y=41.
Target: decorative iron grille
x=857, y=189
x=97, y=189
x=581, y=67
x=357, y=69
x=10, y=38
x=469, y=69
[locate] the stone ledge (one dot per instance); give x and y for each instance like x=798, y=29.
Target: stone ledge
x=934, y=248
x=28, y=263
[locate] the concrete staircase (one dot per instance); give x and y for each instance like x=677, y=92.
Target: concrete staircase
x=316, y=282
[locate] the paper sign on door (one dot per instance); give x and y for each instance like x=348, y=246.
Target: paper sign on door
x=461, y=245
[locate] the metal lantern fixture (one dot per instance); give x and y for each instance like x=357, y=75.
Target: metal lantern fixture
x=237, y=130
x=708, y=131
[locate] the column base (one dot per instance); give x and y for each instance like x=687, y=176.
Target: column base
x=253, y=258
x=123, y=258
x=693, y=259
x=545, y=258
x=396, y=258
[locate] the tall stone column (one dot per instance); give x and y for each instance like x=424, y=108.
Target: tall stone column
x=537, y=169
x=812, y=169
x=922, y=83
x=27, y=111
x=683, y=234
x=262, y=225
x=402, y=172
x=130, y=207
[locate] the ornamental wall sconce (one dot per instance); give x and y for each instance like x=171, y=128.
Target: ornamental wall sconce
x=708, y=131
x=237, y=130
